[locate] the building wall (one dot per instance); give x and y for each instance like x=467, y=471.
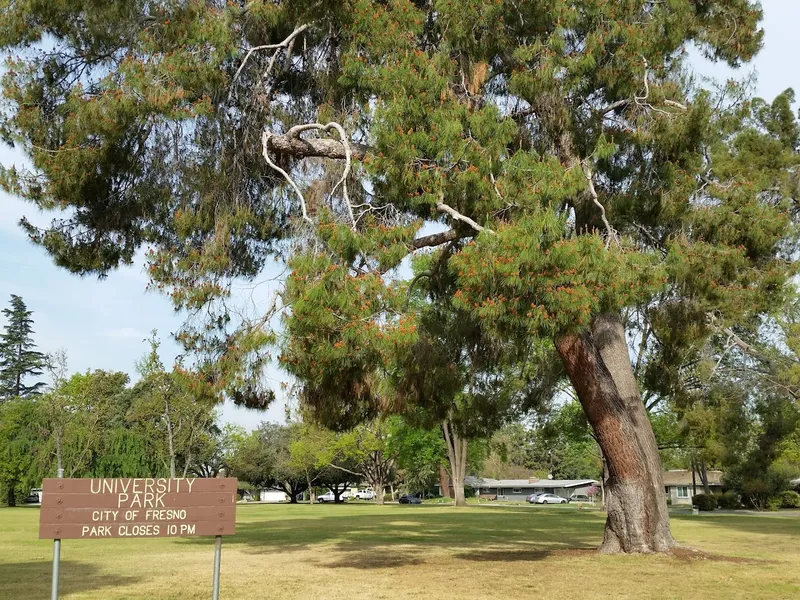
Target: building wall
x=676, y=501
x=522, y=493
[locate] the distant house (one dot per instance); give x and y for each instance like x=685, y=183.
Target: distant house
x=520, y=489
x=678, y=485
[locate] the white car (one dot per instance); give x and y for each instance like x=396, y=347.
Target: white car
x=329, y=497
x=365, y=495
x=550, y=499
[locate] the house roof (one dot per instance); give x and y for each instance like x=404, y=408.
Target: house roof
x=684, y=477
x=526, y=483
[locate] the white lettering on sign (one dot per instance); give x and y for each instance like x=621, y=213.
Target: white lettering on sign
x=135, y=530
x=98, y=531
x=140, y=486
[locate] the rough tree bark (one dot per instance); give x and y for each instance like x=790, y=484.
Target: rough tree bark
x=457, y=455
x=599, y=368
x=378, y=487
x=312, y=494
x=704, y=477
x=444, y=482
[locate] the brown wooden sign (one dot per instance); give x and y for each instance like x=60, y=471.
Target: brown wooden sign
x=145, y=507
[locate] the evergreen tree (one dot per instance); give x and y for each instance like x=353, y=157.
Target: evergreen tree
x=573, y=168
x=18, y=358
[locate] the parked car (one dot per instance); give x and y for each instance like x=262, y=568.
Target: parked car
x=329, y=497
x=365, y=495
x=579, y=498
x=409, y=499
x=532, y=498
x=32, y=498
x=551, y=499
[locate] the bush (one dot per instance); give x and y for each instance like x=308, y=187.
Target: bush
x=789, y=499
x=706, y=502
x=388, y=498
x=728, y=501
x=774, y=502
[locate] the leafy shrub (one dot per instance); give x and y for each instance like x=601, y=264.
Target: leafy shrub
x=706, y=502
x=728, y=501
x=774, y=502
x=387, y=498
x=789, y=499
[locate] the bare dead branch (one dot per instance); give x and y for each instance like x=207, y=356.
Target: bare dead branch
x=444, y=208
x=286, y=43
x=265, y=150
x=612, y=235
x=344, y=143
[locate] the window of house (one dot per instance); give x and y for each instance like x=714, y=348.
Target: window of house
x=516, y=491
x=683, y=491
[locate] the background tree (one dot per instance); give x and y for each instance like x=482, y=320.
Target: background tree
x=309, y=453
x=173, y=413
x=252, y=461
x=18, y=444
x=420, y=453
x=18, y=358
x=364, y=452
x=72, y=420
x=569, y=197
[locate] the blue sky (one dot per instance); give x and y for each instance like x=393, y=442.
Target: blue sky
x=102, y=324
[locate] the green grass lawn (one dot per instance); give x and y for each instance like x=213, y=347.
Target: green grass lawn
x=428, y=551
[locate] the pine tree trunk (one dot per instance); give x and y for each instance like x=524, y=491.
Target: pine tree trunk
x=603, y=480
x=599, y=368
x=444, y=483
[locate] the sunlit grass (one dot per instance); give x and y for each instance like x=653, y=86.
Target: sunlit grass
x=428, y=551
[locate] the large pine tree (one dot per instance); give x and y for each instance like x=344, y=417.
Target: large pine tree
x=19, y=359
x=573, y=168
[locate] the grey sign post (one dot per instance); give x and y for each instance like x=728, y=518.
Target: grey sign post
x=56, y=556
x=217, y=560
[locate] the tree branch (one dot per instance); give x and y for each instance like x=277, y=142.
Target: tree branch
x=587, y=172
x=444, y=208
x=292, y=144
x=284, y=44
x=436, y=239
x=265, y=150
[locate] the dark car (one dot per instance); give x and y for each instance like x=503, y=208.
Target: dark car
x=32, y=498
x=409, y=499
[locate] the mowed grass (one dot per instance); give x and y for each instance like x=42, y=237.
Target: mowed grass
x=393, y=551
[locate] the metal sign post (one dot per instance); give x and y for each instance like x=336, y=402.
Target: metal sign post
x=217, y=559
x=56, y=556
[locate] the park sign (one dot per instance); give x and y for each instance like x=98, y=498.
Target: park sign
x=137, y=507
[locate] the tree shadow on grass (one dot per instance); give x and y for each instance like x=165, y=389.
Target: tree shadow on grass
x=32, y=579
x=374, y=559
x=523, y=555
x=396, y=536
